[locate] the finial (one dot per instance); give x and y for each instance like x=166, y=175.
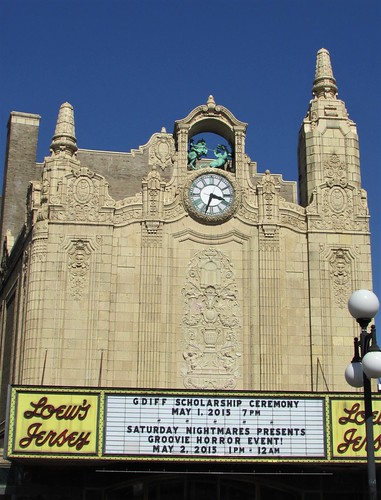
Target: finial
x=211, y=102
x=324, y=83
x=64, y=139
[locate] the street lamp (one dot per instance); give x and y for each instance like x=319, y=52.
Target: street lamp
x=366, y=364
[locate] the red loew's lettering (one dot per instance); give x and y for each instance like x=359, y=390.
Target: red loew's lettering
x=353, y=415
x=354, y=442
x=45, y=411
x=351, y=442
x=40, y=437
x=356, y=416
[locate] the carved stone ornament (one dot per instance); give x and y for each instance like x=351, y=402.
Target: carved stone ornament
x=79, y=252
x=335, y=172
x=211, y=323
x=162, y=151
x=292, y=216
x=341, y=277
x=39, y=250
x=335, y=201
x=268, y=191
x=337, y=210
x=84, y=198
x=153, y=188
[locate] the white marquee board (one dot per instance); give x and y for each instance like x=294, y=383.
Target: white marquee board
x=194, y=426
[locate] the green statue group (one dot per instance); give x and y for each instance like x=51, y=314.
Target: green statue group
x=199, y=149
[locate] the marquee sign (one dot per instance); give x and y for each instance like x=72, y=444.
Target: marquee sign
x=243, y=427
x=73, y=423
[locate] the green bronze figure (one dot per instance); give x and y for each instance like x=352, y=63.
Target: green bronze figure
x=196, y=151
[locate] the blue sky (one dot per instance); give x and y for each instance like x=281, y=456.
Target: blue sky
x=130, y=67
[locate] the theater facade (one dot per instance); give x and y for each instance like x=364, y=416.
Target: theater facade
x=174, y=323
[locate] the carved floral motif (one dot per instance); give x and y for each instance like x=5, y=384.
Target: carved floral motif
x=211, y=322
x=335, y=172
x=340, y=272
x=79, y=252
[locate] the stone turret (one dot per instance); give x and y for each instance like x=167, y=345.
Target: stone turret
x=325, y=83
x=63, y=157
x=64, y=140
x=338, y=240
x=327, y=135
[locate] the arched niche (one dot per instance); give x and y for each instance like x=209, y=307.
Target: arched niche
x=213, y=125
x=211, y=119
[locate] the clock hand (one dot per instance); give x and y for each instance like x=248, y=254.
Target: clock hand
x=210, y=199
x=216, y=197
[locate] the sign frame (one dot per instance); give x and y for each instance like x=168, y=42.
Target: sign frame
x=70, y=406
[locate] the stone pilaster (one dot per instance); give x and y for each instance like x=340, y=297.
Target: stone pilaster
x=151, y=363
x=34, y=354
x=269, y=283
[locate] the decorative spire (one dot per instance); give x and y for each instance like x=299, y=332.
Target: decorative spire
x=325, y=84
x=64, y=139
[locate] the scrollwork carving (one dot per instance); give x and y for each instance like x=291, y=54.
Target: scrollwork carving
x=79, y=252
x=211, y=322
x=86, y=198
x=268, y=192
x=335, y=172
x=340, y=273
x=162, y=151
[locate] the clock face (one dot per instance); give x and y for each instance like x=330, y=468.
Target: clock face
x=211, y=196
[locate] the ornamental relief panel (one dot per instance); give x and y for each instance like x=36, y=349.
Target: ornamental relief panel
x=336, y=205
x=162, y=150
x=340, y=272
x=85, y=198
x=153, y=189
x=335, y=172
x=78, y=266
x=336, y=199
x=340, y=263
x=127, y=215
x=337, y=211
x=268, y=192
x=292, y=216
x=128, y=210
x=211, y=323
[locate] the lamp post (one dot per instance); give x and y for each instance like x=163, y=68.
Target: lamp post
x=366, y=364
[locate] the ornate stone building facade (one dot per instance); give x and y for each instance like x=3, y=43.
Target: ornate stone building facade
x=179, y=265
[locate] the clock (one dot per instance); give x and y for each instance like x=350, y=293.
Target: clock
x=210, y=196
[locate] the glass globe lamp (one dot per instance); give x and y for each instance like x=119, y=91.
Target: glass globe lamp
x=371, y=363
x=363, y=304
x=354, y=374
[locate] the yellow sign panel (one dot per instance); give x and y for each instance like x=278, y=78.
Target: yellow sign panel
x=348, y=428
x=65, y=423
